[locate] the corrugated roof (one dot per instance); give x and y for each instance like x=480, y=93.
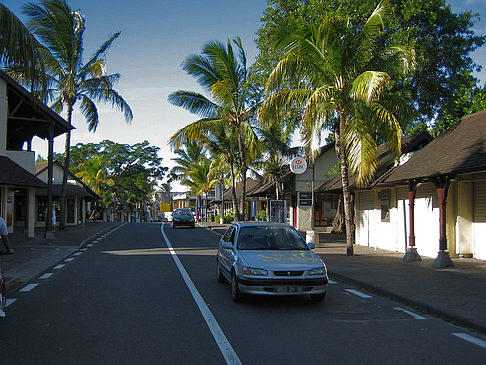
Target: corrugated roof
x=461, y=149
x=386, y=162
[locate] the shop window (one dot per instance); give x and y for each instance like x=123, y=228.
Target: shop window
x=384, y=197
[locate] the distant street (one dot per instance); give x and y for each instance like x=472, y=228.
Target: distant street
x=129, y=299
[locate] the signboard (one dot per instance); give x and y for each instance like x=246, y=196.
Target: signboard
x=278, y=211
x=305, y=195
x=306, y=202
x=298, y=165
x=164, y=207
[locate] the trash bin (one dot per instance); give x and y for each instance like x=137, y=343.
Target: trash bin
x=312, y=237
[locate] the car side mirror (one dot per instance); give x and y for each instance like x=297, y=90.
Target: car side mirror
x=227, y=245
x=311, y=245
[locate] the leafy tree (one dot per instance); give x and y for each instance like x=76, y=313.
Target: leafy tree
x=341, y=78
x=61, y=32
x=224, y=74
x=443, y=41
x=129, y=171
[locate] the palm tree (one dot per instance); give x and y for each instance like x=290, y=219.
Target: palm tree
x=188, y=158
x=341, y=77
x=20, y=50
x=276, y=152
x=61, y=31
x=93, y=173
x=220, y=140
x=225, y=76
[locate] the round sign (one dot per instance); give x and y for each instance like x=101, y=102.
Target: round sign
x=298, y=165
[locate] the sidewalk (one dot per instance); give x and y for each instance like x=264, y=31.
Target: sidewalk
x=35, y=255
x=456, y=294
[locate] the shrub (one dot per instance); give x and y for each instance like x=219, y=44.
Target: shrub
x=261, y=216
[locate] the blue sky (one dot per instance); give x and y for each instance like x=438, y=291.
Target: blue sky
x=157, y=35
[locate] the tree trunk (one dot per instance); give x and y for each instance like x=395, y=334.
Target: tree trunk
x=67, y=152
x=233, y=195
x=244, y=168
x=338, y=221
x=348, y=208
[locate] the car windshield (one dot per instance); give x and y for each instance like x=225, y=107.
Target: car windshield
x=270, y=238
x=182, y=212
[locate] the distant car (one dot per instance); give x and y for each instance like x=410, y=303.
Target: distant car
x=265, y=258
x=183, y=217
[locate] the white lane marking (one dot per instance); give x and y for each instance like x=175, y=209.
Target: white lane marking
x=28, y=287
x=47, y=275
x=358, y=293
x=471, y=339
x=77, y=253
x=83, y=249
x=331, y=282
x=224, y=346
x=90, y=245
x=9, y=301
x=412, y=314
x=95, y=241
x=69, y=259
x=57, y=267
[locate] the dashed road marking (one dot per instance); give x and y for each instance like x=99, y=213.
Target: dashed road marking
x=10, y=301
x=47, y=275
x=225, y=347
x=69, y=259
x=332, y=282
x=83, y=249
x=90, y=245
x=412, y=314
x=57, y=267
x=358, y=293
x=28, y=287
x=471, y=339
x=77, y=253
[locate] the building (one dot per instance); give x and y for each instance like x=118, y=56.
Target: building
x=22, y=117
x=80, y=199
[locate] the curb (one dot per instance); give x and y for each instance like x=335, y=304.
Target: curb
x=98, y=234
x=419, y=306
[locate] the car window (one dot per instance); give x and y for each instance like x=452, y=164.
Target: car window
x=182, y=212
x=229, y=235
x=270, y=238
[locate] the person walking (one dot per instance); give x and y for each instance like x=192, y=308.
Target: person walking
x=4, y=234
x=10, y=251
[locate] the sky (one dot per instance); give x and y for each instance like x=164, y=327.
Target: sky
x=156, y=37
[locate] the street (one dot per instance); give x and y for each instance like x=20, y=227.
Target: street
x=130, y=298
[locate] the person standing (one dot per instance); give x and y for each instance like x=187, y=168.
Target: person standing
x=4, y=234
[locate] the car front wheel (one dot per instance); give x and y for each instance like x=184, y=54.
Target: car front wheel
x=235, y=290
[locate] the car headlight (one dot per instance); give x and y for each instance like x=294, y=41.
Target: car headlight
x=253, y=271
x=318, y=271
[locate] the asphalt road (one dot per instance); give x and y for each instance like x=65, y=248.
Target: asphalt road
x=124, y=300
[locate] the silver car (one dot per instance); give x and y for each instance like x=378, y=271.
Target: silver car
x=265, y=258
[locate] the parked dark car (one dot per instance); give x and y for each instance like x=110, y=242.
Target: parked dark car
x=183, y=217
x=265, y=258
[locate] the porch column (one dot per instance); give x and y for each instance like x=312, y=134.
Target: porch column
x=50, y=165
x=31, y=209
x=412, y=254
x=76, y=207
x=83, y=212
x=443, y=259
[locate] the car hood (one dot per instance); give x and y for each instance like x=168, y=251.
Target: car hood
x=277, y=260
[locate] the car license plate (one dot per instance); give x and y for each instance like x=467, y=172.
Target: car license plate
x=288, y=289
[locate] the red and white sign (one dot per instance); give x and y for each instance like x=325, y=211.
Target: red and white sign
x=298, y=165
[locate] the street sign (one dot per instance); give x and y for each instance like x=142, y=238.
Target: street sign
x=298, y=165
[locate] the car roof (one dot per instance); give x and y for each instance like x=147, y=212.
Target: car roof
x=260, y=224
